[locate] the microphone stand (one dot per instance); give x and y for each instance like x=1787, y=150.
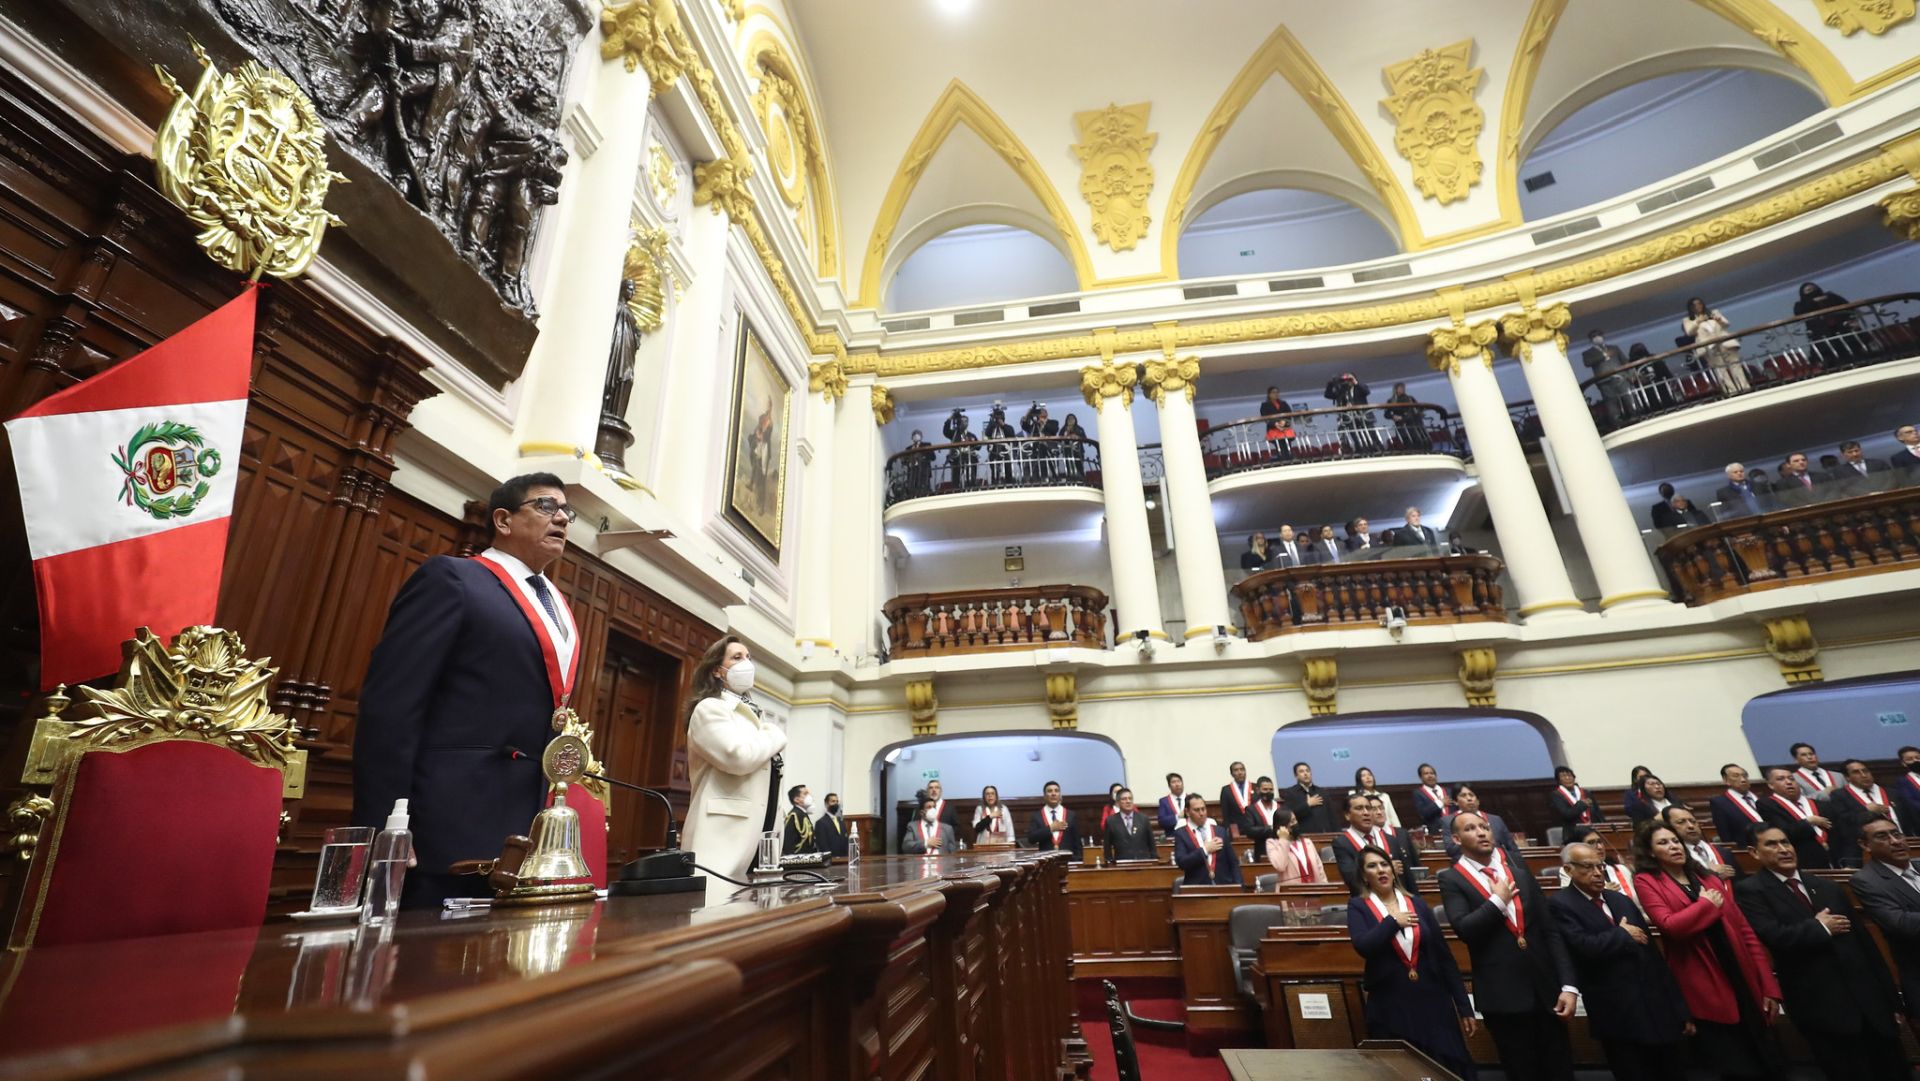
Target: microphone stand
x=666, y=871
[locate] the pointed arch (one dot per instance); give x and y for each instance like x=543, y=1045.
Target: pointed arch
x=1767, y=22
x=1534, y=36
x=958, y=104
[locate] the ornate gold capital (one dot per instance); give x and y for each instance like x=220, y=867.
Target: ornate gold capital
x=736, y=9
x=1535, y=325
x=1115, y=176
x=647, y=33
x=829, y=378
x=923, y=708
x=722, y=185
x=1109, y=379
x=1170, y=376
x=1900, y=213
x=1790, y=642
x=646, y=267
x=1876, y=17
x=1063, y=700
x=1449, y=346
x=1476, y=675
x=1320, y=678
x=882, y=400
x=1436, y=124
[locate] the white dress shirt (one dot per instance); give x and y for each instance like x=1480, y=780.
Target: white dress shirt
x=565, y=643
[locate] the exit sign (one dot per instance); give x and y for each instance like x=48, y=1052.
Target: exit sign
x=1892, y=720
x=1341, y=754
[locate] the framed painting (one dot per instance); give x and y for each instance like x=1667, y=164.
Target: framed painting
x=756, y=489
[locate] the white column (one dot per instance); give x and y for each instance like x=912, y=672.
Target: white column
x=1196, y=549
x=1108, y=388
x=853, y=573
x=1607, y=530
x=1527, y=544
x=825, y=386
x=560, y=405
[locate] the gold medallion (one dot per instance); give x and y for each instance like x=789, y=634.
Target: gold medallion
x=1414, y=975
x=564, y=717
x=1521, y=940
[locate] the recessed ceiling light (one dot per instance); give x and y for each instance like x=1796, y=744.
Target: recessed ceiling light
x=953, y=7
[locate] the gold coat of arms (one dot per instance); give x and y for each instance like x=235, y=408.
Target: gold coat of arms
x=1436, y=124
x=1115, y=177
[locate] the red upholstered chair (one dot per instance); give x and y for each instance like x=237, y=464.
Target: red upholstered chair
x=162, y=797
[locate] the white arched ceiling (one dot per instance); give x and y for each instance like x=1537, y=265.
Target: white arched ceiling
x=1272, y=229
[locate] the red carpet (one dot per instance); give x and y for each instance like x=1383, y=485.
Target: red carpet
x=1163, y=1055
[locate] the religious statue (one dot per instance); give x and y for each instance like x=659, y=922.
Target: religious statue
x=615, y=435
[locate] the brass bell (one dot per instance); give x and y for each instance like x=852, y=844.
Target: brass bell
x=554, y=869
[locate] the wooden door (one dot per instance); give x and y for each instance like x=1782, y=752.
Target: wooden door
x=634, y=737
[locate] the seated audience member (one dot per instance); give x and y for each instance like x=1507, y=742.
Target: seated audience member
x=1430, y=800
x=1740, y=496
x=1202, y=850
x=1308, y=801
x=1888, y=888
x=1413, y=987
x=1414, y=534
x=1853, y=803
x=1724, y=973
x=1797, y=486
x=927, y=835
x=1571, y=802
x=1359, y=536
x=1789, y=808
x=992, y=822
x=1128, y=835
x=1365, y=785
x=1052, y=825
x=1856, y=474
x=1651, y=799
x=1171, y=803
x=1833, y=982
x=1291, y=854
x=1906, y=788
x=1254, y=559
x=1631, y=797
x=1708, y=855
x=1325, y=549
x=1634, y=1007
x=1815, y=779
x=1737, y=811
x=1617, y=874
x=1906, y=460
x=1466, y=800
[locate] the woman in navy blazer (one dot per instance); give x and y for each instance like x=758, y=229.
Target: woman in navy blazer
x=1425, y=1005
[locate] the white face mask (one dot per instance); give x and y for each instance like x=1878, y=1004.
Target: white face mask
x=806, y=804
x=739, y=678
x=931, y=816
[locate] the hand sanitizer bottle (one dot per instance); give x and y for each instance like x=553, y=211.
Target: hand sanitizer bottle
x=387, y=868
x=853, y=842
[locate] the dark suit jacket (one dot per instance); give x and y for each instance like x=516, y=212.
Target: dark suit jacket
x=830, y=835
x=1848, y=479
x=1135, y=845
x=1041, y=837
x=1604, y=360
x=1573, y=813
x=1192, y=859
x=1430, y=813
x=1318, y=552
x=1895, y=906
x=457, y=679
x=1804, y=835
x=1906, y=797
x=1411, y=535
x=1506, y=978
x=1168, y=815
x=1733, y=506
x=1904, y=459
x=1425, y=1012
x=1400, y=847
x=1849, y=815
x=1353, y=543
x=1312, y=819
x=1277, y=555
x=1831, y=984
x=1229, y=808
x=1732, y=824
x=790, y=837
x=1502, y=837
x=1629, y=991
x=1788, y=492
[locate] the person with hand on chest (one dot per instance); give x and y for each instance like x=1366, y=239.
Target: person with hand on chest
x=1307, y=802
x=1814, y=779
x=1259, y=826
x=1348, y=842
x=928, y=835
x=992, y=822
x=1171, y=804
x=1236, y=797
x=1571, y=801
x=1853, y=803
x=731, y=749
x=1708, y=855
x=1201, y=849
x=1737, y=811
x=1430, y=800
x=1128, y=836
x=1052, y=826
x=1789, y=808
x=798, y=833
x=1887, y=886
x=1413, y=987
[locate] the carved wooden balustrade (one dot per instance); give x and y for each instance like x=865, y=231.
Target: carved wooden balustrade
x=1427, y=590
x=1837, y=539
x=991, y=620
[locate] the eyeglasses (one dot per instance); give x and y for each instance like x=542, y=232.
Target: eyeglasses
x=548, y=506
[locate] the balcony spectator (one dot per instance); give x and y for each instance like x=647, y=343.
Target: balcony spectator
x=1040, y=455
x=1075, y=452
x=999, y=453
x=1414, y=534
x=1360, y=538
x=919, y=467
x=1652, y=383
x=1830, y=335
x=1906, y=460
x=1403, y=410
x=1280, y=433
x=1325, y=548
x=1703, y=324
x=1740, y=496
x=1798, y=487
x=1606, y=361
x=1857, y=474
x=1290, y=552
x=963, y=461
x=1258, y=556
x=1686, y=514
x=1357, y=432
x=1662, y=512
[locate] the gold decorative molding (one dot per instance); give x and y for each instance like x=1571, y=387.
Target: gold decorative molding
x=1063, y=700
x=799, y=157
x=1542, y=19
x=1110, y=379
x=646, y=266
x=1876, y=17
x=1791, y=643
x=734, y=10
x=923, y=708
x=721, y=185
x=1450, y=346
x=1900, y=213
x=649, y=34
x=1170, y=376
x=882, y=401
x=1436, y=123
x=25, y=817
x=1765, y=20
x=829, y=378
x=1477, y=667
x=1320, y=679
x=665, y=178
x=1115, y=174
x=1535, y=324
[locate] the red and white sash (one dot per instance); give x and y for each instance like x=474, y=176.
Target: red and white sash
x=996, y=819
x=1573, y=799
x=1874, y=798
x=1307, y=860
x=1357, y=840
x=1200, y=839
x=1741, y=805
x=1794, y=809
x=1266, y=812
x=1242, y=795
x=1437, y=794
x=1811, y=781
x=1057, y=825
x=929, y=834
x=561, y=684
x=1516, y=912
x=1406, y=942
x=1914, y=780
x=1622, y=879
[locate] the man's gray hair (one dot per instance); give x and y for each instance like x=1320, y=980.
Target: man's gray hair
x=1566, y=852
x=1731, y=466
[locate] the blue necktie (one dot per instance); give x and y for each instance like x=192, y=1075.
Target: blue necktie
x=540, y=590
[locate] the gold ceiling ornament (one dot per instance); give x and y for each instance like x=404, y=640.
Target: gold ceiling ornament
x=1108, y=379
x=1791, y=643
x=882, y=401
x=721, y=185
x=1171, y=375
x=736, y=10
x=646, y=266
x=245, y=156
x=663, y=175
x=1450, y=346
x=783, y=115
x=1876, y=17
x=923, y=709
x=1477, y=667
x=1115, y=175
x=649, y=34
x=827, y=377
x=1320, y=679
x=1535, y=324
x=1900, y=213
x=1063, y=700
x=1436, y=123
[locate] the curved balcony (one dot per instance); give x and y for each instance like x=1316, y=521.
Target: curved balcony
x=1336, y=434
x=996, y=620
x=985, y=465
x=1429, y=590
x=1840, y=539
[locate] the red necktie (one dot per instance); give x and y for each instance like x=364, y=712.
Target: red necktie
x=1800, y=892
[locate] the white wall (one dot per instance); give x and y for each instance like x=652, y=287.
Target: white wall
x=1871, y=719
x=1278, y=229
x=1468, y=748
x=964, y=766
x=935, y=567
x=979, y=264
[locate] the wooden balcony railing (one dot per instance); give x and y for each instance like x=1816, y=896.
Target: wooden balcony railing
x=1838, y=539
x=992, y=620
x=1427, y=590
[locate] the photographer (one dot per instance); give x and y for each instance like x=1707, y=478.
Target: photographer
x=963, y=463
x=919, y=467
x=999, y=452
x=1357, y=435
x=1040, y=455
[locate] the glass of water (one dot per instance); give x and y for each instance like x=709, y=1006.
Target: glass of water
x=343, y=869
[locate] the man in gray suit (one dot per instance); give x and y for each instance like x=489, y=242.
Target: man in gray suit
x=1888, y=888
x=926, y=835
x=1606, y=362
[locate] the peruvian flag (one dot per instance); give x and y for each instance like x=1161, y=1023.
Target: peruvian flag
x=127, y=483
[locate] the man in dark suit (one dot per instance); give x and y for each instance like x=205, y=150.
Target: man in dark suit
x=1832, y=981
x=1288, y=551
x=1052, y=826
x=1737, y=811
x=1906, y=460
x=1359, y=536
x=1704, y=852
x=1415, y=534
x=797, y=834
x=1169, y=810
x=1803, y=820
x=1851, y=804
x=1325, y=548
x=830, y=830
x=1467, y=801
x=1308, y=801
x=1634, y=1007
x=1798, y=487
x=1235, y=797
x=1523, y=981
x=1682, y=513
x=1888, y=887
x=1740, y=497
x=1348, y=842
x=1906, y=786
x=1857, y=474
x=1129, y=833
x=1257, y=826
x=459, y=698
x=1430, y=800
x=1661, y=513
x=1395, y=843
x=1202, y=849
x=1606, y=361
x=1571, y=802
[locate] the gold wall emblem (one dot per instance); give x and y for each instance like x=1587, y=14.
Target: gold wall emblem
x=646, y=267
x=923, y=709
x=245, y=157
x=1437, y=125
x=1115, y=177
x=1876, y=17
x=882, y=401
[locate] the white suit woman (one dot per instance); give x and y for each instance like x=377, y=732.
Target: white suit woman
x=730, y=751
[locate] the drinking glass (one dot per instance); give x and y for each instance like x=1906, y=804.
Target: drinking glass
x=343, y=869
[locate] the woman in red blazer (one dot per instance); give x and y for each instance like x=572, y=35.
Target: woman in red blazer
x=1723, y=971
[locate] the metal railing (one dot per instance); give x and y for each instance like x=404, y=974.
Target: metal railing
x=984, y=465
x=1338, y=433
